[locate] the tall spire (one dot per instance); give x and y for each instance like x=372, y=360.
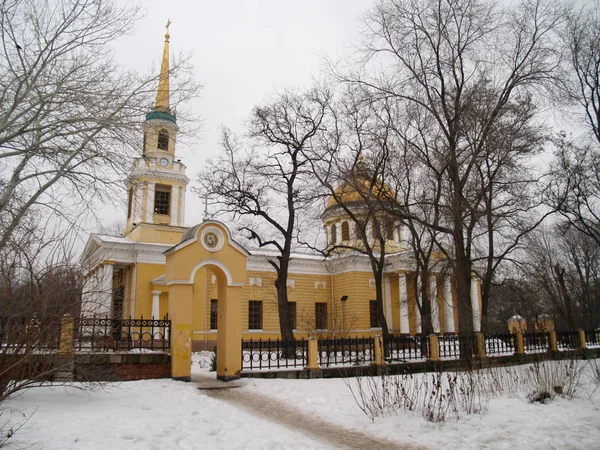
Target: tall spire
x=162, y=95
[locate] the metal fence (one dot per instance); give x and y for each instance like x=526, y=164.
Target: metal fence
x=456, y=346
x=19, y=333
x=407, y=348
x=274, y=354
x=567, y=340
x=340, y=352
x=535, y=342
x=500, y=344
x=101, y=335
x=592, y=338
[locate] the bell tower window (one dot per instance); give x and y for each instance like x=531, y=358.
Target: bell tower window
x=345, y=231
x=163, y=139
x=333, y=234
x=162, y=199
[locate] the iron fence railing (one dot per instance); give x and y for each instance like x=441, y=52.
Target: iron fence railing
x=567, y=340
x=351, y=351
x=104, y=334
x=456, y=346
x=500, y=344
x=535, y=342
x=274, y=354
x=592, y=338
x=407, y=348
x=18, y=333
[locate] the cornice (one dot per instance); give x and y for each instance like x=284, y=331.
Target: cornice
x=163, y=174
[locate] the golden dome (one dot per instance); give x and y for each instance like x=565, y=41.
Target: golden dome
x=358, y=190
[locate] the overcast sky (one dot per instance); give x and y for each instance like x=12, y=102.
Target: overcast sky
x=243, y=50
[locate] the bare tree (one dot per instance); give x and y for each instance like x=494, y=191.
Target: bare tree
x=37, y=289
x=562, y=267
x=261, y=181
x=350, y=162
x=444, y=61
x=69, y=115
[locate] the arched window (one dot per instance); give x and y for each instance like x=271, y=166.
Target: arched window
x=389, y=230
x=163, y=140
x=376, y=230
x=333, y=233
x=345, y=231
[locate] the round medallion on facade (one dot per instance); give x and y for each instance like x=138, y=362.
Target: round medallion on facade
x=212, y=239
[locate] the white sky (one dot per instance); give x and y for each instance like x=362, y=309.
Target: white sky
x=243, y=50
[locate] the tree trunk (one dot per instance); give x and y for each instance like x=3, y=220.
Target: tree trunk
x=285, y=323
x=381, y=314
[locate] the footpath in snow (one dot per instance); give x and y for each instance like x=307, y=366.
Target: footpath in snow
x=281, y=414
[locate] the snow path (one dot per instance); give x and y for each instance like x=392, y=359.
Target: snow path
x=281, y=413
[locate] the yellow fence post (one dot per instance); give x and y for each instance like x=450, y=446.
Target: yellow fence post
x=553, y=347
x=434, y=348
x=520, y=348
x=65, y=345
x=378, y=359
x=312, y=359
x=582, y=339
x=480, y=344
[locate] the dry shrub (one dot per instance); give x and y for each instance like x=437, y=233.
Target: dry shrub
x=438, y=397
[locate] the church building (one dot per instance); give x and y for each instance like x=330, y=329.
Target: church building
x=135, y=275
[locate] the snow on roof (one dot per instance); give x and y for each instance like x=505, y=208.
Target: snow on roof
x=516, y=318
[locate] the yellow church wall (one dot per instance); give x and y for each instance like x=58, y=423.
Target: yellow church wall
x=160, y=235
x=395, y=300
x=441, y=303
x=145, y=273
x=356, y=285
x=187, y=259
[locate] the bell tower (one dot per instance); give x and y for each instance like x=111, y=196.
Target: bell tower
x=157, y=183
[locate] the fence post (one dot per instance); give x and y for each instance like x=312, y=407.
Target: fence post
x=378, y=359
x=553, y=347
x=434, y=348
x=520, y=348
x=582, y=345
x=65, y=345
x=480, y=345
x=312, y=359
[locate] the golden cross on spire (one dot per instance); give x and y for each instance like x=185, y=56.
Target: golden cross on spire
x=168, y=25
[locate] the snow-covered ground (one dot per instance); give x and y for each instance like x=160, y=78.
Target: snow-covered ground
x=165, y=414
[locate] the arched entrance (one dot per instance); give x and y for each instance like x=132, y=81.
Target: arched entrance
x=209, y=245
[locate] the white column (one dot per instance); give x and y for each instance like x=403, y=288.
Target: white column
x=150, y=202
x=137, y=202
x=475, y=304
x=417, y=300
x=182, y=208
x=435, y=311
x=448, y=307
x=156, y=305
x=133, y=290
x=387, y=295
x=103, y=305
x=174, y=205
x=405, y=237
x=404, y=324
